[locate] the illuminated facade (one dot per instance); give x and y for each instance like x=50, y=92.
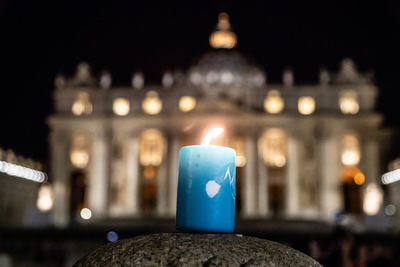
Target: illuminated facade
x=304, y=151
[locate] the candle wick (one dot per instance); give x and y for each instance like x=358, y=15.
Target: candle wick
x=211, y=134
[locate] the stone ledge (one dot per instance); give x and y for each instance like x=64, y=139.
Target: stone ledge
x=191, y=249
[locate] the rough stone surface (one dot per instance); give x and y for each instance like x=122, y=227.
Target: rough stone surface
x=182, y=249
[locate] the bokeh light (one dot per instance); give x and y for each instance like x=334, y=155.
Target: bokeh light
x=373, y=198
x=273, y=103
x=306, y=105
x=79, y=158
x=187, y=103
x=348, y=103
x=112, y=236
x=152, y=104
x=121, y=106
x=86, y=213
x=45, y=198
x=359, y=178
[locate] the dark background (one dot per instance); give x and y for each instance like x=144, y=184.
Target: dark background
x=42, y=38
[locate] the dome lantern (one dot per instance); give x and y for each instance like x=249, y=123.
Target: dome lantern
x=223, y=37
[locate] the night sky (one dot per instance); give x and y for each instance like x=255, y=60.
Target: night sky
x=40, y=39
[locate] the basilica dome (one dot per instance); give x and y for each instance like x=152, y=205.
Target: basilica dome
x=224, y=69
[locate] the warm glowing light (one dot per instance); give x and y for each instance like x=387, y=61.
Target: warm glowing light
x=359, y=178
x=152, y=104
x=350, y=151
x=86, y=213
x=391, y=177
x=187, y=103
x=223, y=37
x=373, y=198
x=272, y=147
x=78, y=107
x=348, y=102
x=151, y=147
x=121, y=106
x=350, y=173
x=211, y=134
x=45, y=198
x=22, y=172
x=82, y=105
x=306, y=105
x=79, y=158
x=238, y=146
x=273, y=103
x=350, y=158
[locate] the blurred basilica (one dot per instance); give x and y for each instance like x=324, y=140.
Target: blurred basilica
x=303, y=151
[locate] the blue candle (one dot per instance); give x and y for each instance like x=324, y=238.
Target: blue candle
x=206, y=189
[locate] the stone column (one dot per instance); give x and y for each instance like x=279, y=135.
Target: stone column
x=173, y=155
x=370, y=158
x=99, y=173
x=132, y=175
x=292, y=197
x=262, y=187
x=249, y=181
x=59, y=175
x=330, y=187
x=162, y=197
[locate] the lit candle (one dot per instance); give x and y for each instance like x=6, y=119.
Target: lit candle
x=206, y=187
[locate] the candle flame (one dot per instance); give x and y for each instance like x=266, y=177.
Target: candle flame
x=211, y=134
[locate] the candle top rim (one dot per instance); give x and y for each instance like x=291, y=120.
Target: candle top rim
x=209, y=146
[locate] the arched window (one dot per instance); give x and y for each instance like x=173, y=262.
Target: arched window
x=79, y=152
x=152, y=146
x=352, y=177
x=272, y=148
x=350, y=150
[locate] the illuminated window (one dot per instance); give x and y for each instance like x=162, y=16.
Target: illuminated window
x=167, y=80
x=272, y=147
x=78, y=155
x=226, y=77
x=348, y=102
x=273, y=103
x=187, y=103
x=152, y=104
x=350, y=150
x=151, y=147
x=82, y=104
x=138, y=80
x=306, y=105
x=196, y=78
x=238, y=146
x=223, y=37
x=121, y=106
